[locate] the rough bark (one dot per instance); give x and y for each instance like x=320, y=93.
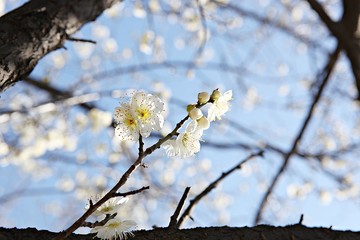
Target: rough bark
x=346, y=31
x=261, y=232
x=351, y=23
x=38, y=27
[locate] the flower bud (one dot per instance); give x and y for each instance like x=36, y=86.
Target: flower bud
x=195, y=114
x=203, y=97
x=190, y=107
x=203, y=123
x=215, y=95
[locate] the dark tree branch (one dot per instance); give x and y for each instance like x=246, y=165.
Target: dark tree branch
x=278, y=25
x=326, y=75
x=173, y=219
x=56, y=93
x=99, y=223
x=347, y=32
x=131, y=192
x=213, y=185
x=38, y=27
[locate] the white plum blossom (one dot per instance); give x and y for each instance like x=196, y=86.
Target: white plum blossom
x=186, y=144
x=220, y=105
x=111, y=206
x=141, y=116
x=147, y=110
x=115, y=229
x=128, y=128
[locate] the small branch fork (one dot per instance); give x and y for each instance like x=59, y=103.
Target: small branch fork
x=210, y=187
x=99, y=223
x=325, y=77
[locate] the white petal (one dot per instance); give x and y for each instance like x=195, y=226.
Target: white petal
x=192, y=126
x=228, y=95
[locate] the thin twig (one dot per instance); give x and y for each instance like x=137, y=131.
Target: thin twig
x=327, y=72
x=80, y=40
x=173, y=219
x=131, y=192
x=301, y=219
x=141, y=145
x=99, y=223
x=212, y=185
x=204, y=29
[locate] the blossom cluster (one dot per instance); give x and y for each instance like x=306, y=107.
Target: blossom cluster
x=187, y=143
x=141, y=115
x=115, y=228
x=144, y=114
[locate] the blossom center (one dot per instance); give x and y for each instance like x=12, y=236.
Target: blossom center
x=114, y=225
x=143, y=113
x=107, y=209
x=185, y=139
x=130, y=122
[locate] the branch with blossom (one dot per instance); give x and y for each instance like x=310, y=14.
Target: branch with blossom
x=136, y=120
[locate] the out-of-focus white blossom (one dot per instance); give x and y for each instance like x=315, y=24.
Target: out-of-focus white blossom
x=146, y=42
x=4, y=148
x=154, y=6
x=115, y=10
x=110, y=46
x=139, y=10
x=99, y=119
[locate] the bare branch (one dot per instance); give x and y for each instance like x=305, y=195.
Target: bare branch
x=345, y=31
x=212, y=185
x=56, y=93
x=131, y=192
x=80, y=40
x=326, y=75
x=173, y=219
x=99, y=223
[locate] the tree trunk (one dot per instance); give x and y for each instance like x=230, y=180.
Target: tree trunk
x=261, y=232
x=38, y=27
